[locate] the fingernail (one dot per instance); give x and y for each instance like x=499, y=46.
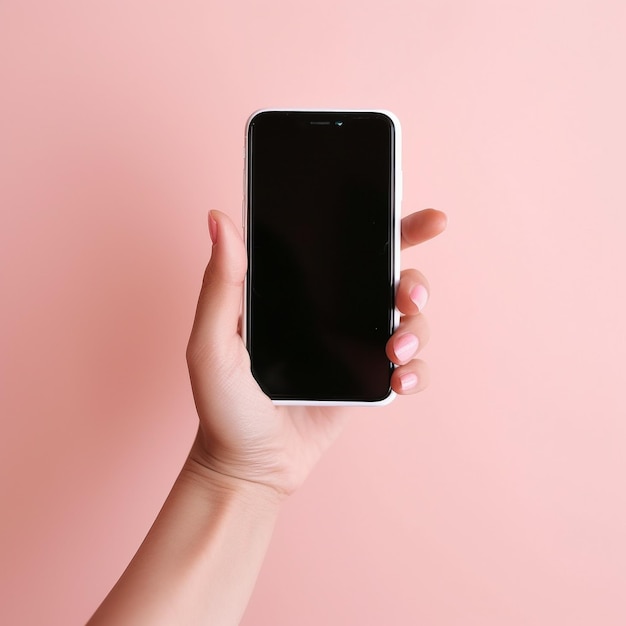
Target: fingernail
x=408, y=381
x=212, y=228
x=419, y=295
x=405, y=346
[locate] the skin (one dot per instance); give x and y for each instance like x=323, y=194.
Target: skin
x=200, y=560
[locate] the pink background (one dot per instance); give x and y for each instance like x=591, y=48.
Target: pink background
x=494, y=498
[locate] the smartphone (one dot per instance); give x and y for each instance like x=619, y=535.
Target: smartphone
x=322, y=225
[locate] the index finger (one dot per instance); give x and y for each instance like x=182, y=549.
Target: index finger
x=422, y=226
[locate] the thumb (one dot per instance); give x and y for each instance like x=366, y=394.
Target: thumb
x=219, y=304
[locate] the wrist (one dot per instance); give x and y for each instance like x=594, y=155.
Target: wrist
x=227, y=488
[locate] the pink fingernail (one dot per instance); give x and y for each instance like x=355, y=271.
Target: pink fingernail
x=212, y=228
x=408, y=381
x=405, y=346
x=419, y=295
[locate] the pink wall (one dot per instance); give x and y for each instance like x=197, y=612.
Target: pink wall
x=494, y=498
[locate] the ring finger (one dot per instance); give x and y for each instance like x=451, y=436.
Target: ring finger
x=408, y=339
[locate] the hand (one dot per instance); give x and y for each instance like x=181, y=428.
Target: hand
x=242, y=435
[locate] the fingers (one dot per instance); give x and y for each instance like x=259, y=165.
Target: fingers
x=410, y=337
x=412, y=292
x=412, y=332
x=410, y=378
x=411, y=374
x=422, y=226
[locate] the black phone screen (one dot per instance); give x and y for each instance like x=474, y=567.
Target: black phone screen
x=320, y=237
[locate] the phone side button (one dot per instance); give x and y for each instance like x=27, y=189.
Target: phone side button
x=400, y=185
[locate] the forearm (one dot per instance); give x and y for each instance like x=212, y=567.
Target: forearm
x=200, y=560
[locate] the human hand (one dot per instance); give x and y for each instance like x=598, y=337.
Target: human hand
x=242, y=434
